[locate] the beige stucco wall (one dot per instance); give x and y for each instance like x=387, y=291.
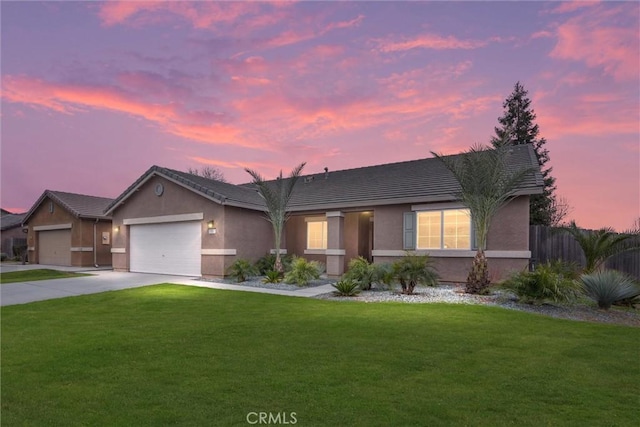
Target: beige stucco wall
x=509, y=231
x=81, y=234
x=249, y=232
x=244, y=230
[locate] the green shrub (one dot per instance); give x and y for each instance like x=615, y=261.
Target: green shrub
x=385, y=274
x=267, y=262
x=3, y=256
x=548, y=282
x=273, y=276
x=241, y=269
x=609, y=286
x=361, y=271
x=302, y=271
x=347, y=288
x=413, y=270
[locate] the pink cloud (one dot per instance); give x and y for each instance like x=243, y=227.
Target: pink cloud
x=572, y=6
x=597, y=38
x=200, y=14
x=587, y=115
x=290, y=37
x=429, y=41
x=70, y=99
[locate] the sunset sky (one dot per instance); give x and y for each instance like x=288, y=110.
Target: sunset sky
x=95, y=93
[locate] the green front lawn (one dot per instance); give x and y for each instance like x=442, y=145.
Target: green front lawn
x=39, y=274
x=168, y=354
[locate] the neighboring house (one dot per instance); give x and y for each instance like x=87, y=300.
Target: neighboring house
x=177, y=223
x=11, y=232
x=69, y=229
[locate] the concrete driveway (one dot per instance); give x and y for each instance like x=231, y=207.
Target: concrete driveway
x=100, y=281
x=109, y=280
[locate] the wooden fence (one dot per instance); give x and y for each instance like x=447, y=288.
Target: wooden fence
x=546, y=244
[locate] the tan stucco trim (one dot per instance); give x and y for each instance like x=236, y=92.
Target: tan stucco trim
x=282, y=251
x=219, y=252
x=453, y=253
x=164, y=218
x=437, y=206
x=315, y=219
x=52, y=227
x=81, y=249
x=118, y=250
x=315, y=251
x=335, y=214
x=335, y=252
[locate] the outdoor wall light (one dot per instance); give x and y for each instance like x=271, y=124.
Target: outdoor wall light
x=116, y=228
x=211, y=225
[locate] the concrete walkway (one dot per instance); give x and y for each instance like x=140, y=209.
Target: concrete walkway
x=108, y=280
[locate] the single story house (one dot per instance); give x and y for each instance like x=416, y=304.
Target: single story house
x=12, y=234
x=69, y=229
x=173, y=222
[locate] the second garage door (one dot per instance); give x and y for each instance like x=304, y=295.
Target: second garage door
x=168, y=248
x=55, y=247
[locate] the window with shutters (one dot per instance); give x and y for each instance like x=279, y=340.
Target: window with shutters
x=443, y=229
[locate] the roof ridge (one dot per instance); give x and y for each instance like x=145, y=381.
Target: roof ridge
x=78, y=194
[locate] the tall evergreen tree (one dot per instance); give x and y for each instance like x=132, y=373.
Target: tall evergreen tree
x=518, y=127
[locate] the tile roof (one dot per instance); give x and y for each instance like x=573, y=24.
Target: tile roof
x=10, y=220
x=217, y=191
x=416, y=181
x=79, y=205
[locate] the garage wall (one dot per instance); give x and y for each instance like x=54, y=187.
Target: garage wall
x=175, y=200
x=81, y=235
x=42, y=216
x=248, y=232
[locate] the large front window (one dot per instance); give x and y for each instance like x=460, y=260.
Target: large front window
x=444, y=229
x=317, y=235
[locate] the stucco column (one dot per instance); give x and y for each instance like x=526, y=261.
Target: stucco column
x=335, y=244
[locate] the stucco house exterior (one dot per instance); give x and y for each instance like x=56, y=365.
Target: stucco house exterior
x=69, y=229
x=11, y=231
x=173, y=222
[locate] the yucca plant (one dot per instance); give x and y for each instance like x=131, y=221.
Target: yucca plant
x=276, y=195
x=414, y=269
x=600, y=245
x=272, y=276
x=608, y=286
x=241, y=270
x=303, y=271
x=548, y=282
x=347, y=288
x=486, y=183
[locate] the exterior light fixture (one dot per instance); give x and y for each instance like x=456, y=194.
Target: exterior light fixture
x=211, y=225
x=116, y=228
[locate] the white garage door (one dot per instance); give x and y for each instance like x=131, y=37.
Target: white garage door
x=55, y=247
x=168, y=248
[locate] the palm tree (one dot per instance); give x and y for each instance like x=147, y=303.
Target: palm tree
x=276, y=195
x=602, y=244
x=486, y=184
